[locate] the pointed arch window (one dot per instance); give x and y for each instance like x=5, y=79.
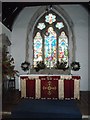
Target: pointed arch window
x=37, y=48
x=50, y=40
x=63, y=47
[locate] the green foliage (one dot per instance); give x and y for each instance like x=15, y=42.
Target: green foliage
x=61, y=65
x=75, y=66
x=40, y=65
x=25, y=66
x=8, y=65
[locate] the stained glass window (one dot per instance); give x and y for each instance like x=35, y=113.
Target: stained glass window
x=50, y=47
x=59, y=25
x=37, y=48
x=41, y=26
x=63, y=47
x=50, y=18
x=51, y=40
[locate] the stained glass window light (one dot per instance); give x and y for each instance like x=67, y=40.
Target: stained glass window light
x=63, y=47
x=37, y=48
x=41, y=26
x=50, y=48
x=59, y=25
x=50, y=18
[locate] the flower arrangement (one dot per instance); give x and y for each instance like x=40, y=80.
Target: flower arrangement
x=40, y=65
x=25, y=66
x=75, y=66
x=61, y=65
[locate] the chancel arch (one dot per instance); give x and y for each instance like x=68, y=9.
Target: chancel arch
x=59, y=29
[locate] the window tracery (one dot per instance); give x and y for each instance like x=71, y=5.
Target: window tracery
x=51, y=40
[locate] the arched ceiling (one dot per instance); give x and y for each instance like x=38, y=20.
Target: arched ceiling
x=10, y=10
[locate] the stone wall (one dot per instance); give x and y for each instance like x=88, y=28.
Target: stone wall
x=50, y=71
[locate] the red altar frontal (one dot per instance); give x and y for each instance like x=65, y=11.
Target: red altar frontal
x=50, y=87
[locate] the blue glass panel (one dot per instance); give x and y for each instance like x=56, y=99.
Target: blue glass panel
x=50, y=48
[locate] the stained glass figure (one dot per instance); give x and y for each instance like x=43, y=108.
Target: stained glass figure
x=63, y=47
x=41, y=26
x=50, y=48
x=37, y=48
x=59, y=25
x=50, y=18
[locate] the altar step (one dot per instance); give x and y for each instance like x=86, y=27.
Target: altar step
x=12, y=97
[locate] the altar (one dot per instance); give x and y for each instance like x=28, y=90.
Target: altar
x=50, y=86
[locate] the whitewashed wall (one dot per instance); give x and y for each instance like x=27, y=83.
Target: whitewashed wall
x=79, y=17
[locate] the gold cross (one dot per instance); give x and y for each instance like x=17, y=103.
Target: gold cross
x=49, y=88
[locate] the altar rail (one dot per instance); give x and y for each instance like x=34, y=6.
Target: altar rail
x=50, y=87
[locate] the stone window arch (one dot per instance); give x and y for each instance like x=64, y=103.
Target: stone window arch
x=67, y=31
